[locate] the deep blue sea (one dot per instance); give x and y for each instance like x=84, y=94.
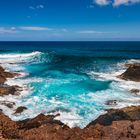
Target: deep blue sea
x=74, y=79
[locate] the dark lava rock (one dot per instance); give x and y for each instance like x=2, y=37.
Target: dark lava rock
x=135, y=91
x=20, y=110
x=111, y=102
x=132, y=73
x=7, y=103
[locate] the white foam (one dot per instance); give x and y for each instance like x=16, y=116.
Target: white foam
x=69, y=118
x=132, y=61
x=10, y=59
x=5, y=56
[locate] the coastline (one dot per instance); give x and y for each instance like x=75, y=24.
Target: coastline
x=115, y=124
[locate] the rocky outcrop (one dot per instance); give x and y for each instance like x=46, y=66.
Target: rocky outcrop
x=6, y=90
x=132, y=73
x=128, y=113
x=116, y=124
x=4, y=75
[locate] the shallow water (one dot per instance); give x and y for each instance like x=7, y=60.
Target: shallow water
x=73, y=79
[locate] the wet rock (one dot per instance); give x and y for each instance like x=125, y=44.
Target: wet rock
x=111, y=102
x=135, y=91
x=7, y=90
x=20, y=110
x=7, y=103
x=132, y=73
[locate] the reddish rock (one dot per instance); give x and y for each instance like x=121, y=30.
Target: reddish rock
x=132, y=73
x=123, y=124
x=4, y=75
x=6, y=90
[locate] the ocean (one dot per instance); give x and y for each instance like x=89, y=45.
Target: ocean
x=74, y=79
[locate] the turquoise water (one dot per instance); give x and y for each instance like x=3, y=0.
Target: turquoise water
x=75, y=82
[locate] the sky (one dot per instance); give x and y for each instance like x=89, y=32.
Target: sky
x=69, y=20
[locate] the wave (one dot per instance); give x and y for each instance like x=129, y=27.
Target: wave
x=20, y=58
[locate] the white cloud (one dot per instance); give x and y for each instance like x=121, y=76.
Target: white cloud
x=96, y=32
x=90, y=32
x=31, y=7
x=115, y=3
x=7, y=30
x=124, y=2
x=36, y=7
x=64, y=30
x=33, y=28
x=102, y=2
x=40, y=6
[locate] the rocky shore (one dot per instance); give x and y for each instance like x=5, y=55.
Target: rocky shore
x=116, y=124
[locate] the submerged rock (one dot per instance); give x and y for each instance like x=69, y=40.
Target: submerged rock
x=7, y=103
x=135, y=91
x=111, y=102
x=20, y=109
x=132, y=73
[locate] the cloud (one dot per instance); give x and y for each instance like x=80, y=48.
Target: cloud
x=94, y=32
x=40, y=6
x=90, y=32
x=34, y=28
x=124, y=2
x=36, y=7
x=64, y=30
x=115, y=3
x=7, y=30
x=102, y=2
x=31, y=7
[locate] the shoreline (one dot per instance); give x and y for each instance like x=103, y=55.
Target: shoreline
x=105, y=126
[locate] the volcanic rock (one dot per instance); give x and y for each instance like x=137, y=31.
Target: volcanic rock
x=135, y=91
x=7, y=103
x=20, y=110
x=6, y=90
x=111, y=102
x=132, y=73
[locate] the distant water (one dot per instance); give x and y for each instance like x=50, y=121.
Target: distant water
x=75, y=79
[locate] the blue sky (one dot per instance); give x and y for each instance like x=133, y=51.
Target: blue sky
x=69, y=20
